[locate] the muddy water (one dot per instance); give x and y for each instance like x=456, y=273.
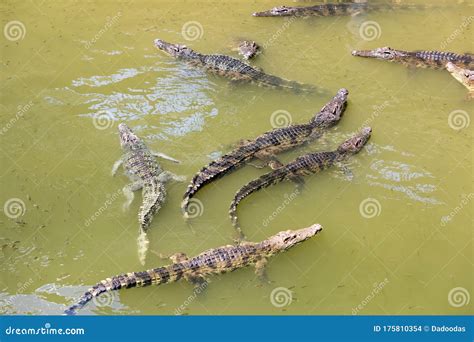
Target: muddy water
x=397, y=233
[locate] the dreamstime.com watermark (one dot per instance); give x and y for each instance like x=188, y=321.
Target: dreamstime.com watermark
x=464, y=202
x=458, y=119
x=370, y=30
x=458, y=31
x=370, y=208
x=111, y=198
x=21, y=111
x=14, y=30
x=288, y=199
x=197, y=290
x=109, y=23
x=195, y=208
x=377, y=287
x=22, y=287
x=192, y=30
x=46, y=330
x=286, y=24
x=280, y=118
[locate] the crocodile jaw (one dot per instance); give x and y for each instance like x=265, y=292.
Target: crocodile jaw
x=281, y=11
x=287, y=239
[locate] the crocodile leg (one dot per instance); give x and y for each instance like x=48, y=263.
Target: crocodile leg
x=116, y=166
x=167, y=176
x=128, y=192
x=269, y=159
x=260, y=270
x=164, y=156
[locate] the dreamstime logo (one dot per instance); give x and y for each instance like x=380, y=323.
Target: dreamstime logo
x=458, y=119
x=281, y=296
x=102, y=120
x=105, y=299
x=370, y=30
x=280, y=118
x=14, y=30
x=369, y=208
x=195, y=208
x=458, y=296
x=14, y=208
x=192, y=30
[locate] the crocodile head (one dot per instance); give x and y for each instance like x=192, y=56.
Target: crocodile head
x=354, y=144
x=385, y=53
x=128, y=140
x=465, y=76
x=331, y=113
x=174, y=50
x=287, y=239
x=281, y=11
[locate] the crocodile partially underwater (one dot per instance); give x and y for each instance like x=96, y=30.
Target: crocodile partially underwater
x=464, y=76
x=331, y=10
x=247, y=48
x=232, y=68
x=145, y=173
x=421, y=59
x=305, y=165
x=268, y=144
x=197, y=269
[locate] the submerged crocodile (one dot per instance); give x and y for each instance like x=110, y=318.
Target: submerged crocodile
x=195, y=270
x=231, y=68
x=248, y=49
x=421, y=59
x=145, y=173
x=268, y=144
x=464, y=76
x=301, y=166
x=331, y=10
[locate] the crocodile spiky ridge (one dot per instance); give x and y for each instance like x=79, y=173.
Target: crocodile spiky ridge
x=268, y=144
x=231, y=68
x=421, y=59
x=214, y=261
x=308, y=164
x=331, y=10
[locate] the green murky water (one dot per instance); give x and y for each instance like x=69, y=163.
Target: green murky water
x=75, y=70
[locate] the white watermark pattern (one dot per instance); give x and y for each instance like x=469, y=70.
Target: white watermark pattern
x=279, y=32
x=109, y=23
x=102, y=120
x=458, y=119
x=14, y=208
x=108, y=202
x=370, y=208
x=281, y=207
x=21, y=111
x=197, y=290
x=280, y=118
x=458, y=31
x=377, y=287
x=458, y=296
x=192, y=30
x=105, y=299
x=370, y=30
x=14, y=30
x=195, y=208
x=281, y=296
x=464, y=202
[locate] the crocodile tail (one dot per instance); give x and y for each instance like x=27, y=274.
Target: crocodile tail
x=135, y=279
x=264, y=181
x=216, y=169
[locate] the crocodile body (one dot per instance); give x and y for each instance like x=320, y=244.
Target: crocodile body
x=231, y=68
x=331, y=10
x=464, y=76
x=145, y=173
x=305, y=165
x=211, y=262
x=421, y=59
x=268, y=144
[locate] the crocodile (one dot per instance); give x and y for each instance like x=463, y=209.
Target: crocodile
x=211, y=262
x=331, y=10
x=465, y=76
x=248, y=49
x=232, y=68
x=304, y=165
x=145, y=173
x=421, y=59
x=265, y=146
